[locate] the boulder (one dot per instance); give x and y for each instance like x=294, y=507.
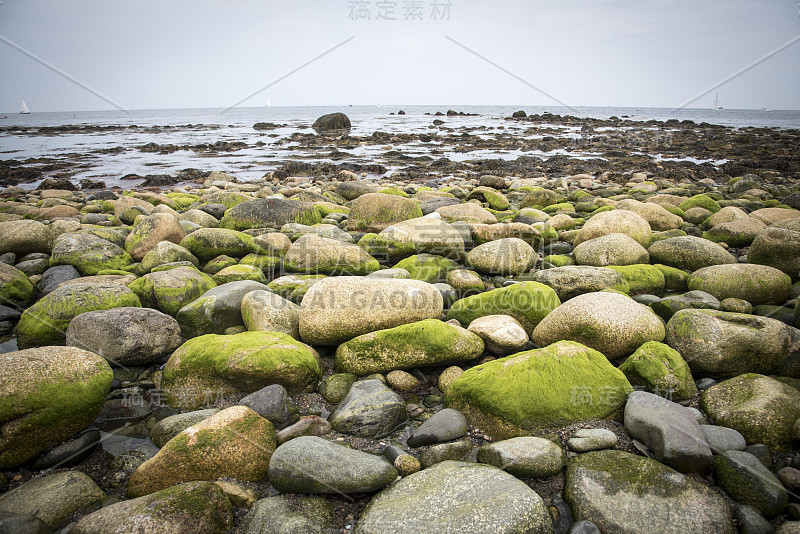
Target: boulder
x=25, y=237
x=415, y=236
x=502, y=334
x=45, y=323
x=217, y=309
x=236, y=442
x=456, y=497
x=167, y=252
x=778, y=248
x=246, y=362
x=524, y=457
x=572, y=280
x=267, y=312
x=374, y=212
x=310, y=464
x=269, y=213
x=546, y=388
x=616, y=222
x=171, y=426
x=47, y=395
x=747, y=481
x=445, y=425
x=757, y=284
x=271, y=515
x=337, y=309
x=424, y=343
x=468, y=212
x=427, y=267
x=313, y=255
x=610, y=249
x=369, y=410
x=620, y=492
x=508, y=256
x=689, y=253
x=150, y=231
x=54, y=498
x=88, y=253
x=660, y=369
x=15, y=287
x=169, y=291
x=670, y=431
x=198, y=507
x=208, y=243
x=125, y=336
x=611, y=323
x=527, y=302
x=739, y=233
x=725, y=344
x=762, y=409
x=332, y=121
x=273, y=404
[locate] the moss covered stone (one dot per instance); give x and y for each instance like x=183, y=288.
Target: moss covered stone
x=779, y=248
x=374, y=212
x=89, y=254
x=150, y=231
x=660, y=369
x=215, y=265
x=47, y=395
x=167, y=252
x=616, y=221
x=169, y=291
x=762, y=409
x=757, y=284
x=527, y=302
x=269, y=213
x=420, y=344
x=235, y=273
x=15, y=287
x=539, y=389
x=674, y=279
x=212, y=364
x=208, y=243
x=45, y=323
x=235, y=442
x=689, y=253
x=293, y=287
x=216, y=310
x=702, y=201
x=642, y=279
x=427, y=267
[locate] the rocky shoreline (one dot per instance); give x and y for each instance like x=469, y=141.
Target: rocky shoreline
x=603, y=344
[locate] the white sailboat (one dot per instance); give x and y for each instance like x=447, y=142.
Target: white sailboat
x=717, y=105
x=25, y=110
x=269, y=105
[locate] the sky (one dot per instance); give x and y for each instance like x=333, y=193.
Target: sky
x=147, y=54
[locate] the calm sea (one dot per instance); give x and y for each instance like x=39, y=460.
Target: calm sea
x=207, y=126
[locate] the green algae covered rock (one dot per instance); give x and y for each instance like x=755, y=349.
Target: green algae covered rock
x=415, y=236
x=47, y=395
x=237, y=273
x=689, y=253
x=545, y=388
x=427, y=267
x=293, y=287
x=374, y=212
x=88, y=253
x=506, y=256
x=15, y=287
x=613, y=222
x=208, y=243
x=45, y=323
x=245, y=362
x=167, y=252
x=269, y=213
x=660, y=369
x=527, y=302
x=623, y=493
x=169, y=291
x=150, y=231
x=762, y=409
x=217, y=309
x=642, y=279
x=674, y=279
x=702, y=201
x=189, y=507
x=424, y=343
x=757, y=284
x=779, y=248
x=236, y=442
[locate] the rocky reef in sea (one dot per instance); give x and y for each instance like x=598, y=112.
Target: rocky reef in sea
x=508, y=349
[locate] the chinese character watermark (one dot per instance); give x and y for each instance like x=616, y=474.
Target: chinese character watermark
x=392, y=10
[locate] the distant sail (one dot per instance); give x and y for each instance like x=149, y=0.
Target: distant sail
x=717, y=105
x=25, y=109
x=268, y=103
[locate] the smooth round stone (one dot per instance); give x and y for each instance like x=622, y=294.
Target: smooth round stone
x=591, y=439
x=502, y=334
x=401, y=381
x=70, y=453
x=370, y=410
x=284, y=513
x=720, y=438
x=526, y=457
x=444, y=425
x=171, y=426
x=448, y=376
x=454, y=450
x=333, y=388
x=274, y=404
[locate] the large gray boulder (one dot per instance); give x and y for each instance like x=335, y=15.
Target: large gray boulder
x=126, y=336
x=457, y=498
x=310, y=464
x=669, y=430
x=217, y=309
x=369, y=410
x=623, y=493
x=573, y=280
x=689, y=253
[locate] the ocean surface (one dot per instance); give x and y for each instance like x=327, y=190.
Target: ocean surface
x=114, y=152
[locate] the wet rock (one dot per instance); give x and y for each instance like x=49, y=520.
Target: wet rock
x=369, y=410
x=444, y=425
x=274, y=404
x=743, y=477
x=524, y=457
x=273, y=515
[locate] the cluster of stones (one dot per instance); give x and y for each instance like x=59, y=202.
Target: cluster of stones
x=463, y=327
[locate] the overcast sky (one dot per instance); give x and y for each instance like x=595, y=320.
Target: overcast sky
x=147, y=54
